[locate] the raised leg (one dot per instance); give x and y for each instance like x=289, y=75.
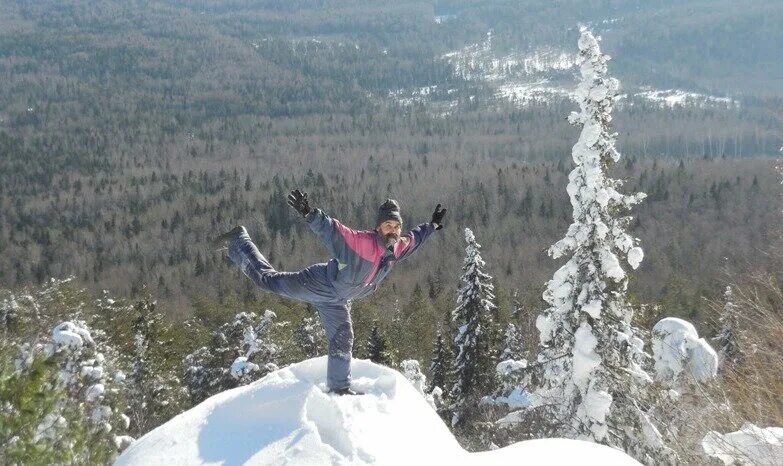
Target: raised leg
x=310, y=284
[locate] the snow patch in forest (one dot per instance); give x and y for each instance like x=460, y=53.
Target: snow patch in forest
x=286, y=418
x=671, y=98
x=749, y=445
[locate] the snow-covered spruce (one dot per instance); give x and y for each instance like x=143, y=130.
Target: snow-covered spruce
x=682, y=361
x=473, y=369
x=591, y=379
x=681, y=357
x=151, y=391
x=726, y=340
x=310, y=336
x=85, y=380
x=412, y=371
x=241, y=351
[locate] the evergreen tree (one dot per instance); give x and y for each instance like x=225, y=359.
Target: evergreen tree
x=473, y=367
x=310, y=337
x=412, y=371
x=377, y=348
x=152, y=386
x=241, y=351
x=726, y=340
x=591, y=381
x=38, y=422
x=439, y=364
x=512, y=347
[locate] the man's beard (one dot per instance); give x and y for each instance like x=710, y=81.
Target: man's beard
x=390, y=240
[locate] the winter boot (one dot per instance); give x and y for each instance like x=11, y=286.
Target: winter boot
x=344, y=391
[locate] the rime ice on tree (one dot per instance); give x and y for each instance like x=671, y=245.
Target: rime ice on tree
x=590, y=353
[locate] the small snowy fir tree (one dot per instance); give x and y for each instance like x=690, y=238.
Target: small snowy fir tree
x=377, y=347
x=726, y=340
x=512, y=344
x=439, y=364
x=310, y=337
x=151, y=390
x=516, y=310
x=412, y=371
x=241, y=351
x=590, y=355
x=473, y=368
x=512, y=372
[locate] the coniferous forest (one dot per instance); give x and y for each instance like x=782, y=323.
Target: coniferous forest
x=131, y=132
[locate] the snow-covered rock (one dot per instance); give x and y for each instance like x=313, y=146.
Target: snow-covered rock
x=679, y=352
x=749, y=445
x=287, y=418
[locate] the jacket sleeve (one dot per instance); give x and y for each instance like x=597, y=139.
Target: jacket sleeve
x=341, y=241
x=412, y=240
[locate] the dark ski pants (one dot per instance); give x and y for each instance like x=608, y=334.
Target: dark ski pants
x=311, y=285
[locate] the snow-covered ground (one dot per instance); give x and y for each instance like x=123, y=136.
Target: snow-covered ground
x=481, y=62
x=749, y=445
x=677, y=97
x=286, y=418
x=538, y=76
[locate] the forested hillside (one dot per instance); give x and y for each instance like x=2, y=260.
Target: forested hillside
x=132, y=132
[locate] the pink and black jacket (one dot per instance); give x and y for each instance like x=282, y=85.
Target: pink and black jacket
x=360, y=260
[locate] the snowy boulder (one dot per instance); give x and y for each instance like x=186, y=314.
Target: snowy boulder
x=680, y=354
x=749, y=445
x=287, y=418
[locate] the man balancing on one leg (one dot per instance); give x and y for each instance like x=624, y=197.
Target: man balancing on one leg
x=360, y=261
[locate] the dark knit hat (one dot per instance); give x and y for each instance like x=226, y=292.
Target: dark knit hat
x=389, y=210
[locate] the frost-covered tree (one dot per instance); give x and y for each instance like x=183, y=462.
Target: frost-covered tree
x=310, y=337
x=77, y=405
x=38, y=423
x=412, y=371
x=376, y=349
x=512, y=343
x=241, y=351
x=152, y=388
x=726, y=340
x=591, y=381
x=473, y=367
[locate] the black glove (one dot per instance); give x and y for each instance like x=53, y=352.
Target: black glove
x=298, y=200
x=437, y=217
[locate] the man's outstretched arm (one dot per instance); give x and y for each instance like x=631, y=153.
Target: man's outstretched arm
x=412, y=240
x=340, y=240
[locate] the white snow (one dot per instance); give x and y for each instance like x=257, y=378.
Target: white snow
x=635, y=256
x=749, y=445
x=286, y=418
x=242, y=367
x=676, y=97
x=585, y=358
x=518, y=398
x=94, y=392
x=69, y=334
x=679, y=352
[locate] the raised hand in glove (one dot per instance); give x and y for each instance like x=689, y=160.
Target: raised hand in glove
x=437, y=217
x=298, y=200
